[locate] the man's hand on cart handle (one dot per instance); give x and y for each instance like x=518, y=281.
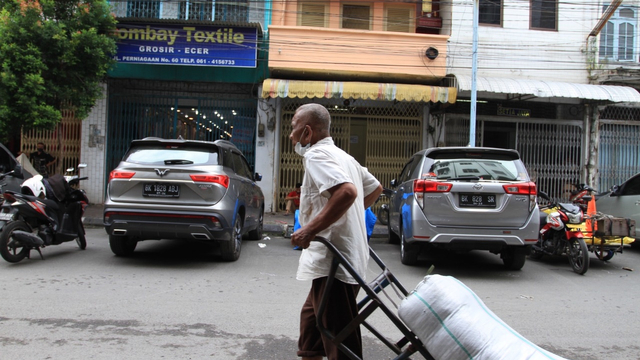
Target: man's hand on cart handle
x=302, y=238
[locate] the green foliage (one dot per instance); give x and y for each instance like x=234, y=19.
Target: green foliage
x=52, y=52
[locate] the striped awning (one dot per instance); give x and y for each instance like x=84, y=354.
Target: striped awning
x=272, y=88
x=550, y=89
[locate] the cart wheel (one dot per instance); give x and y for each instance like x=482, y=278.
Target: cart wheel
x=605, y=255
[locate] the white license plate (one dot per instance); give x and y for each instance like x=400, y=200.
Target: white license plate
x=6, y=216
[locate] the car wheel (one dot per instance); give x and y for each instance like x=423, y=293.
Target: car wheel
x=231, y=249
x=256, y=234
x=11, y=250
x=122, y=245
x=514, y=258
x=393, y=237
x=408, y=252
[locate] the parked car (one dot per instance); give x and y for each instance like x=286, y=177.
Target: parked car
x=623, y=201
x=183, y=189
x=464, y=198
x=15, y=174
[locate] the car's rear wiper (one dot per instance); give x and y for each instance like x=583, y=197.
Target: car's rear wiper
x=177, y=161
x=473, y=178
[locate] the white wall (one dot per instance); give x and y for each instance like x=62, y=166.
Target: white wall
x=266, y=150
x=515, y=51
x=93, y=150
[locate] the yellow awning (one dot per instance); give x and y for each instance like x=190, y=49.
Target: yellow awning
x=272, y=88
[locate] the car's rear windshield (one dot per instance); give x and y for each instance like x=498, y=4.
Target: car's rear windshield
x=172, y=155
x=484, y=169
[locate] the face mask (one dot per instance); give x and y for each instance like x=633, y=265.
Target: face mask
x=299, y=149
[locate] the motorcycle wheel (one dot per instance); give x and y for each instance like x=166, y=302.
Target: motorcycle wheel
x=383, y=215
x=13, y=254
x=605, y=255
x=81, y=240
x=578, y=256
x=535, y=254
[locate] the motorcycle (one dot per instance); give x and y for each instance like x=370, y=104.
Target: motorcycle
x=72, y=176
x=46, y=212
x=383, y=211
x=603, y=245
x=560, y=234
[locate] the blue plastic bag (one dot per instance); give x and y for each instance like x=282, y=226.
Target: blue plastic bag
x=370, y=221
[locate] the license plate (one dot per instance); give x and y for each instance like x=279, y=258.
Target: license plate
x=6, y=216
x=478, y=200
x=161, y=190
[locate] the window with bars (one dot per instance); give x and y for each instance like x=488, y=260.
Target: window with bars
x=235, y=11
x=490, y=12
x=313, y=14
x=196, y=10
x=544, y=14
x=617, y=38
x=356, y=17
x=143, y=9
x=400, y=19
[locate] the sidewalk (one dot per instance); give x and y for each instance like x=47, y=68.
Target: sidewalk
x=274, y=223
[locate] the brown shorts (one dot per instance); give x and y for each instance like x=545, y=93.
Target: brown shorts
x=341, y=308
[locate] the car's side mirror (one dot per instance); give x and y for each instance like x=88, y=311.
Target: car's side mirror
x=394, y=183
x=17, y=171
x=257, y=177
x=615, y=190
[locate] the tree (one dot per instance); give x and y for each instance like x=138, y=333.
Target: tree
x=52, y=52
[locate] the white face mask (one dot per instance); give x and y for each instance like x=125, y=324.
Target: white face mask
x=299, y=149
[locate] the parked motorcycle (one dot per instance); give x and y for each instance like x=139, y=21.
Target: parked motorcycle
x=46, y=212
x=383, y=211
x=560, y=234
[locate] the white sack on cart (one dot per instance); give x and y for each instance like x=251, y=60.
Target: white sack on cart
x=453, y=323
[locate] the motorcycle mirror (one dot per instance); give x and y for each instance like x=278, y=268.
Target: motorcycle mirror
x=17, y=172
x=394, y=183
x=543, y=195
x=82, y=166
x=70, y=169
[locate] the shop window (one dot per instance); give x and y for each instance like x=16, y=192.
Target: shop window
x=144, y=9
x=490, y=12
x=313, y=14
x=544, y=14
x=617, y=38
x=400, y=19
x=356, y=17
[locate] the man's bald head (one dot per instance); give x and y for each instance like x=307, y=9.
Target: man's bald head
x=317, y=117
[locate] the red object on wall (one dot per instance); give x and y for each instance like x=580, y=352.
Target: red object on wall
x=429, y=22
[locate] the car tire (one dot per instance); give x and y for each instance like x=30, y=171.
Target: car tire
x=514, y=258
x=231, y=249
x=122, y=245
x=393, y=237
x=256, y=234
x=408, y=252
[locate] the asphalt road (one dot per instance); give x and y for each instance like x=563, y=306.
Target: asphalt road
x=180, y=301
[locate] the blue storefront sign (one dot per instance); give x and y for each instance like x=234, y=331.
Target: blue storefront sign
x=186, y=44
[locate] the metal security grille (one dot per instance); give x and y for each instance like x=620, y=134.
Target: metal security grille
x=136, y=117
x=550, y=150
x=196, y=10
x=143, y=9
x=619, y=152
x=393, y=133
x=63, y=143
x=551, y=153
x=235, y=11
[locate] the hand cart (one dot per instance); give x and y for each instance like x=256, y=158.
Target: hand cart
x=407, y=345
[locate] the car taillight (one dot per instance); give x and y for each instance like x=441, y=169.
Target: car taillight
x=218, y=179
x=421, y=186
x=528, y=188
x=117, y=174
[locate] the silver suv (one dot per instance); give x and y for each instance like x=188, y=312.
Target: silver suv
x=463, y=198
x=183, y=189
